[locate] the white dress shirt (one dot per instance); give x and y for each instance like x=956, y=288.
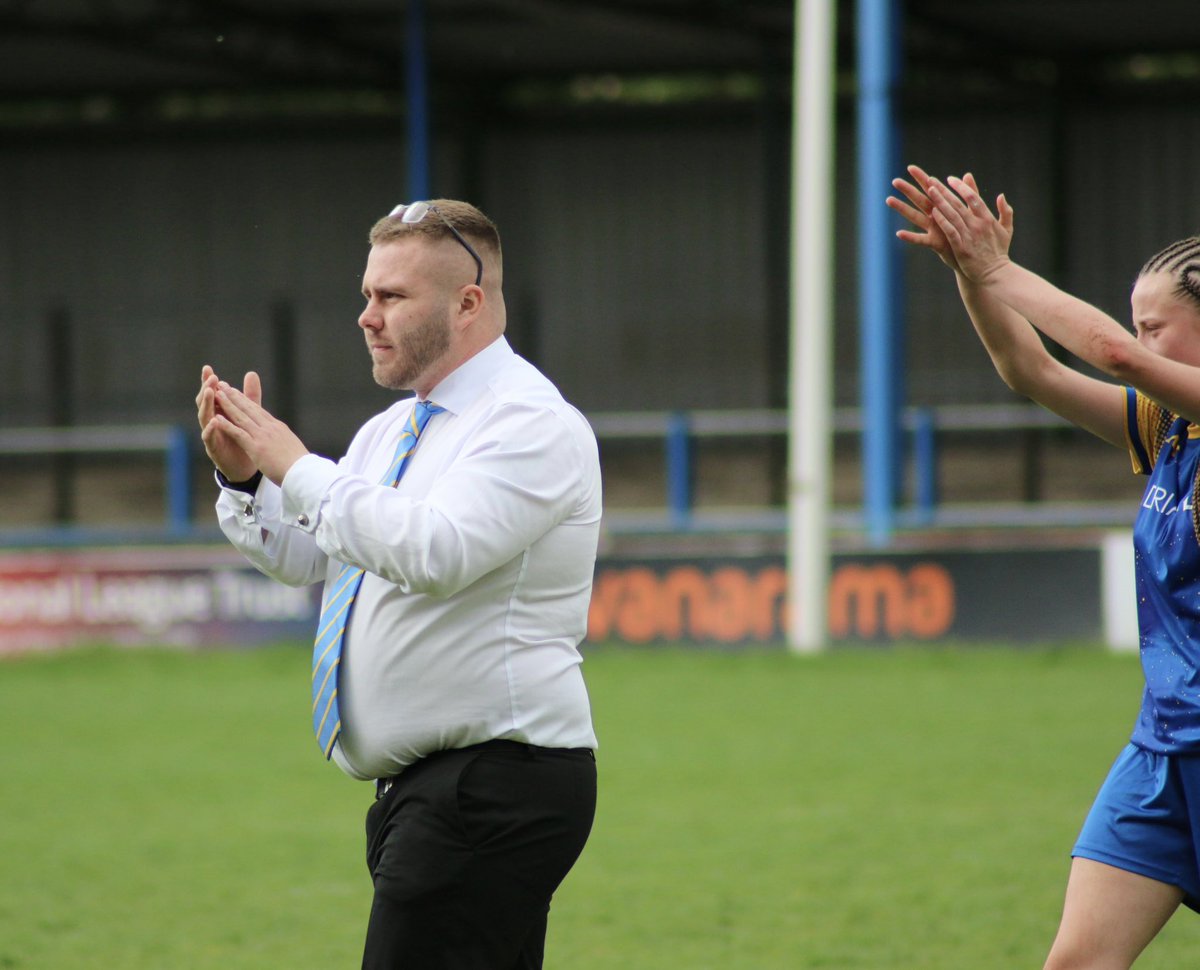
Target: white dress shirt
x=478, y=564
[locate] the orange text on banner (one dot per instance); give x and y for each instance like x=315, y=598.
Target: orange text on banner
x=733, y=604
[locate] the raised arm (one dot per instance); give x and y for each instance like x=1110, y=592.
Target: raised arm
x=1016, y=350
x=1089, y=333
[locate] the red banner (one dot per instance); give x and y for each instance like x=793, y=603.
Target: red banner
x=184, y=597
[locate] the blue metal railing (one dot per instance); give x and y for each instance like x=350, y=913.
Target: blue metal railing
x=172, y=441
x=679, y=433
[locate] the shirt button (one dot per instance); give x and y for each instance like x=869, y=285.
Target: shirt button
x=302, y=519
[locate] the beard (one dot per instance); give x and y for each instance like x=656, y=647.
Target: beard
x=414, y=352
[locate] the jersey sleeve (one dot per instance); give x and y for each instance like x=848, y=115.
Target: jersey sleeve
x=1146, y=428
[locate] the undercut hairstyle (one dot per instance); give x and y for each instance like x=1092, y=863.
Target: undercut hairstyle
x=478, y=229
x=1182, y=260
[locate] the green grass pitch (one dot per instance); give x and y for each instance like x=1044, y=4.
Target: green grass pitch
x=906, y=808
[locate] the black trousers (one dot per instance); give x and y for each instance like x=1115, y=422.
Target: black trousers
x=466, y=848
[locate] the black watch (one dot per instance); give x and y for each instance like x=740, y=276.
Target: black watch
x=250, y=485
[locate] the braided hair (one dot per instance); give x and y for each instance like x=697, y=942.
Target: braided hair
x=1182, y=260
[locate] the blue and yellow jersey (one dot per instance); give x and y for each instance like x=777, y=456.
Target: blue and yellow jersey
x=1166, y=543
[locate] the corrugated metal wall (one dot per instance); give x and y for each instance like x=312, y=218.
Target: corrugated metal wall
x=642, y=258
x=636, y=258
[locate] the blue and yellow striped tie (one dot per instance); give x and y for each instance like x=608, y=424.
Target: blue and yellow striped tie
x=339, y=596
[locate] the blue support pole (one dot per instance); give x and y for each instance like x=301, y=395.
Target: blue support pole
x=416, y=77
x=881, y=335
x=679, y=469
x=179, y=481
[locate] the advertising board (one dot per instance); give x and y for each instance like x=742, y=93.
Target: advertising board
x=197, y=596
x=998, y=596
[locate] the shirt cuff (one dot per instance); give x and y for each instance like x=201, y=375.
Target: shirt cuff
x=304, y=489
x=239, y=498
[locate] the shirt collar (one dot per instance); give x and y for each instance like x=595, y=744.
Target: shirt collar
x=460, y=387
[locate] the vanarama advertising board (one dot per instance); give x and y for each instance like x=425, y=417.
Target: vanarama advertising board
x=199, y=596
x=999, y=596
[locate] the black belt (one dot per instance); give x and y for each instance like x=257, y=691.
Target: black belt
x=384, y=785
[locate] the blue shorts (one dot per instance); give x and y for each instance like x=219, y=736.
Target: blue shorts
x=1146, y=819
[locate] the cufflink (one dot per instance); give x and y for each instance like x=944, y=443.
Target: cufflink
x=302, y=519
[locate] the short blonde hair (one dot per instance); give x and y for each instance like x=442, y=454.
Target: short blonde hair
x=479, y=230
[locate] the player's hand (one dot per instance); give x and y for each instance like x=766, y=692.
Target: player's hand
x=269, y=443
x=917, y=210
x=979, y=240
x=224, y=452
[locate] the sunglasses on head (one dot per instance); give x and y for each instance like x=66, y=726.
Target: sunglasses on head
x=414, y=212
